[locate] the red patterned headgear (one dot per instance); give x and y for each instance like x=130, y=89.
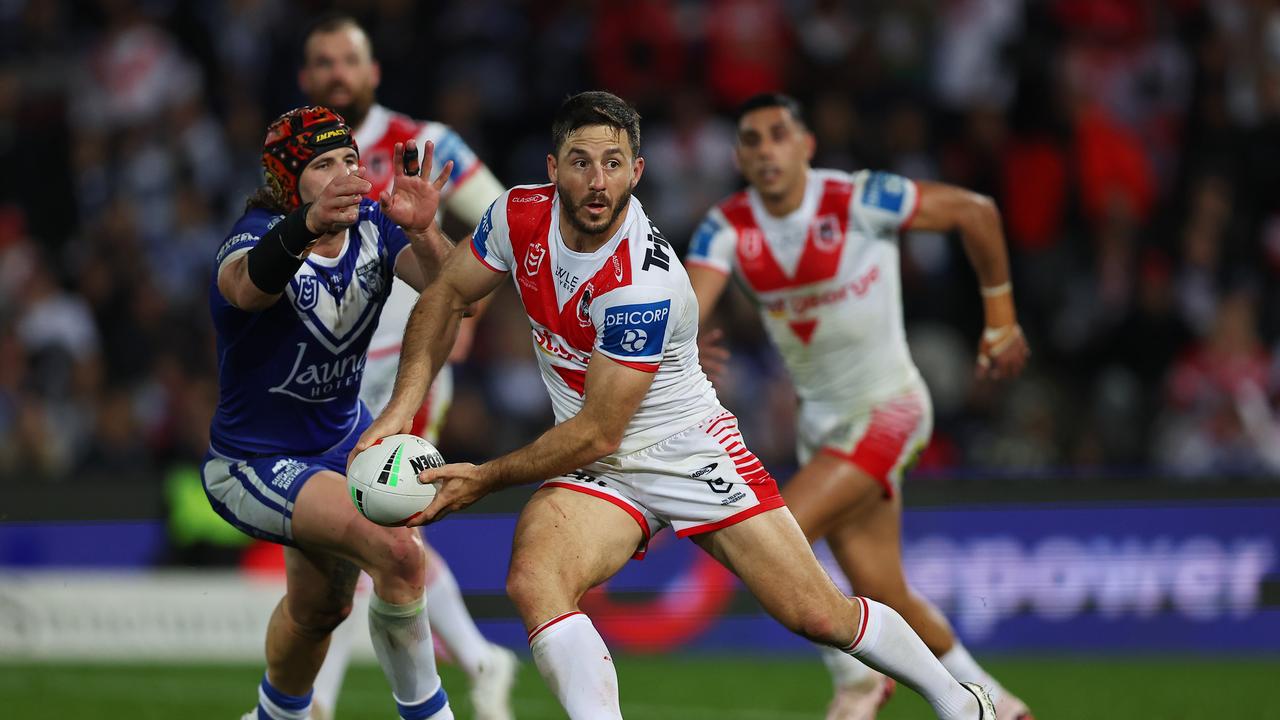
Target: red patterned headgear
x=295, y=139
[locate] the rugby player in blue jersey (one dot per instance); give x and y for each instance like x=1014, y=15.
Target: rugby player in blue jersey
x=298, y=287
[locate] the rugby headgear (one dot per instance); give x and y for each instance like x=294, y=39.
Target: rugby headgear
x=295, y=139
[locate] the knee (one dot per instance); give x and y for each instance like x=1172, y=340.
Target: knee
x=400, y=557
x=814, y=623
x=535, y=593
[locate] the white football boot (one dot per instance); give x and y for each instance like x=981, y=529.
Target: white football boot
x=491, y=688
x=986, y=710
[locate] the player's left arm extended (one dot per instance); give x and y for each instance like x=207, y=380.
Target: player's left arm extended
x=613, y=393
x=946, y=208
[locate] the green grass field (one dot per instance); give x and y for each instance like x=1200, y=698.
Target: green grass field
x=665, y=688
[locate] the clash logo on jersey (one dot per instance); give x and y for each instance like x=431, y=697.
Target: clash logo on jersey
x=636, y=330
x=308, y=292
x=826, y=233
x=533, y=258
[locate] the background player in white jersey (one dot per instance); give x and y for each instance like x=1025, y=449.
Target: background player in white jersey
x=641, y=442
x=339, y=71
x=295, y=297
x=818, y=252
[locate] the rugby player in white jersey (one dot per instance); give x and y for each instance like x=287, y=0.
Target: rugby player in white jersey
x=817, y=250
x=295, y=295
x=641, y=443
x=339, y=71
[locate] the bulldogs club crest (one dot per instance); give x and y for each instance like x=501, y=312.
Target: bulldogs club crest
x=308, y=292
x=371, y=278
x=533, y=258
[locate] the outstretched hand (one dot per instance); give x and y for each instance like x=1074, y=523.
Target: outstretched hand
x=413, y=199
x=338, y=206
x=458, y=486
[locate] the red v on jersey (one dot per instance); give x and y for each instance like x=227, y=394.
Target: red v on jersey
x=819, y=260
x=566, y=332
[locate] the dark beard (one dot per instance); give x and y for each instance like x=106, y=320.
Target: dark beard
x=581, y=226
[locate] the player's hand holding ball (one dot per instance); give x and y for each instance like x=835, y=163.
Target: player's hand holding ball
x=383, y=479
x=458, y=486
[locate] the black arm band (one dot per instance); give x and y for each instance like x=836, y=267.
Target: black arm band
x=273, y=261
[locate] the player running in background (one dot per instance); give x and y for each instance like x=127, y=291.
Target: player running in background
x=817, y=250
x=339, y=71
x=641, y=443
x=295, y=297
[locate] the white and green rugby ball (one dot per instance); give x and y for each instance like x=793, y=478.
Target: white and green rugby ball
x=383, y=479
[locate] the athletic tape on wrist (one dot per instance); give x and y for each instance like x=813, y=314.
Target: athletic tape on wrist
x=273, y=261
x=996, y=290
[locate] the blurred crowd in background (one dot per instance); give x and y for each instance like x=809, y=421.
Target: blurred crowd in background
x=1133, y=147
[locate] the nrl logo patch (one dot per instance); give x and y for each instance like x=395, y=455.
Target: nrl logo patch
x=371, y=279
x=533, y=258
x=308, y=292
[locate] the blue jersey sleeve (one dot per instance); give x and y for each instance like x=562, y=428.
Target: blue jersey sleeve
x=246, y=233
x=393, y=236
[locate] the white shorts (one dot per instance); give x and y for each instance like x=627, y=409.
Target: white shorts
x=698, y=480
x=380, y=379
x=882, y=441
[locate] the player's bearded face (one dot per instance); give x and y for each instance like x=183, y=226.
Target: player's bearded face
x=594, y=178
x=324, y=169
x=340, y=73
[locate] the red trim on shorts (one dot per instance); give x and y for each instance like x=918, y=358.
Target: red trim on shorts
x=880, y=448
x=772, y=502
x=383, y=351
x=534, y=632
x=634, y=513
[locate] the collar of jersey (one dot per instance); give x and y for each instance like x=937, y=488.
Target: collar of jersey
x=333, y=262
x=808, y=205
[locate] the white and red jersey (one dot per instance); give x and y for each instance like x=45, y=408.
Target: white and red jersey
x=470, y=189
x=826, y=279
x=630, y=300
x=382, y=129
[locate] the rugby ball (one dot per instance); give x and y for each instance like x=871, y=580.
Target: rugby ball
x=383, y=479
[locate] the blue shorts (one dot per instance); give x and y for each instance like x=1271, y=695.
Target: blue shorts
x=256, y=495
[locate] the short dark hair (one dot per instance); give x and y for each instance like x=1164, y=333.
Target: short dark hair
x=595, y=108
x=769, y=100
x=329, y=22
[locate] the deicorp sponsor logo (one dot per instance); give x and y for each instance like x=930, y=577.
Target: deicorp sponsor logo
x=636, y=330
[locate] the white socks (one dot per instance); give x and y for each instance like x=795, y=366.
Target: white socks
x=402, y=642
x=964, y=668
x=451, y=621
x=577, y=667
x=275, y=705
x=845, y=670
x=887, y=643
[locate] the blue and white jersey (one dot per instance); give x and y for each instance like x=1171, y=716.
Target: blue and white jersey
x=289, y=375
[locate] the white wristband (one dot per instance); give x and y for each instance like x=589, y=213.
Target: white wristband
x=997, y=290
